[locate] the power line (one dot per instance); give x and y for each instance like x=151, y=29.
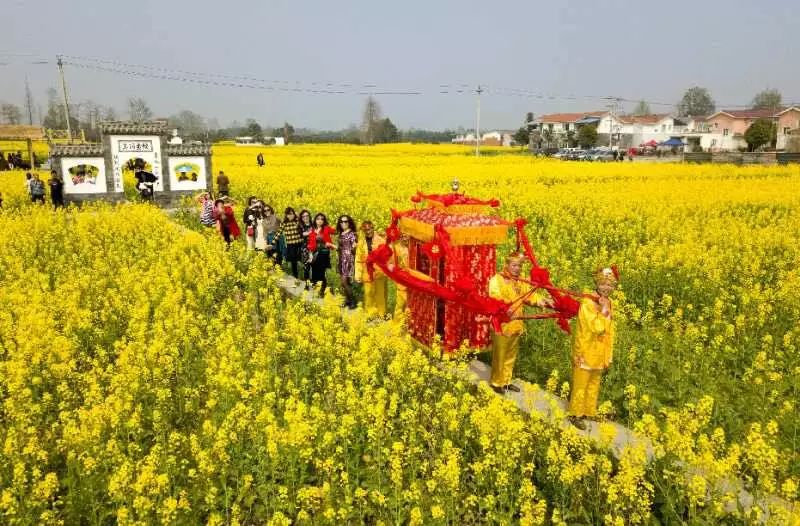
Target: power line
x=223, y=83
x=28, y=62
x=337, y=88
x=194, y=76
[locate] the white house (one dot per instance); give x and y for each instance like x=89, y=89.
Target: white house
x=274, y=141
x=562, y=123
x=624, y=130
x=492, y=138
x=643, y=129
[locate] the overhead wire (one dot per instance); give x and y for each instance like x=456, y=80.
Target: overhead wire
x=325, y=87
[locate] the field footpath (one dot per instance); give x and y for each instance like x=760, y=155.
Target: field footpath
x=538, y=403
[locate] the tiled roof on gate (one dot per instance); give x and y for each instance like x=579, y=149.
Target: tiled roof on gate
x=133, y=128
x=76, y=150
x=188, y=149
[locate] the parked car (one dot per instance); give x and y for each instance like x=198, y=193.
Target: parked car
x=561, y=153
x=601, y=154
x=573, y=155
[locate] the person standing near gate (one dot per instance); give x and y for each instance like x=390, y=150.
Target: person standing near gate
x=375, y=289
x=37, y=189
x=145, y=181
x=28, y=182
x=592, y=349
x=507, y=286
x=56, y=189
x=223, y=184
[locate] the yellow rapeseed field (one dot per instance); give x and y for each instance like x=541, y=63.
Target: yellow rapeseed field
x=147, y=375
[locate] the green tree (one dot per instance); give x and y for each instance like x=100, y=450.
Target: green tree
x=761, y=132
x=769, y=99
x=572, y=142
x=587, y=136
x=547, y=137
x=253, y=129
x=522, y=136
x=642, y=108
x=427, y=136
x=696, y=101
x=386, y=131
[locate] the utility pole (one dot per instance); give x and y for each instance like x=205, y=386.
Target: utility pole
x=612, y=108
x=478, y=122
x=66, y=100
x=29, y=101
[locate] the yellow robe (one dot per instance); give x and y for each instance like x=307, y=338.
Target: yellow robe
x=594, y=343
x=510, y=290
x=505, y=345
x=594, y=336
x=375, y=287
x=401, y=296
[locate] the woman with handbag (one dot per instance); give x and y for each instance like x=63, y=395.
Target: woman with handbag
x=320, y=245
x=271, y=229
x=260, y=231
x=291, y=238
x=251, y=213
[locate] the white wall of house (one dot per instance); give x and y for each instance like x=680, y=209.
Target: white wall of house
x=660, y=131
x=783, y=140
x=558, y=127
x=609, y=124
x=715, y=142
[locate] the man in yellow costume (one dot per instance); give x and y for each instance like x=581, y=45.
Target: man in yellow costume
x=375, y=290
x=592, y=349
x=505, y=286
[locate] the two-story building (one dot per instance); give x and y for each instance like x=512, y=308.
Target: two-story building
x=725, y=129
x=788, y=125
x=555, y=128
x=644, y=129
x=621, y=131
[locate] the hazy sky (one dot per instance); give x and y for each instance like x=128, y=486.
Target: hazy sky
x=631, y=49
